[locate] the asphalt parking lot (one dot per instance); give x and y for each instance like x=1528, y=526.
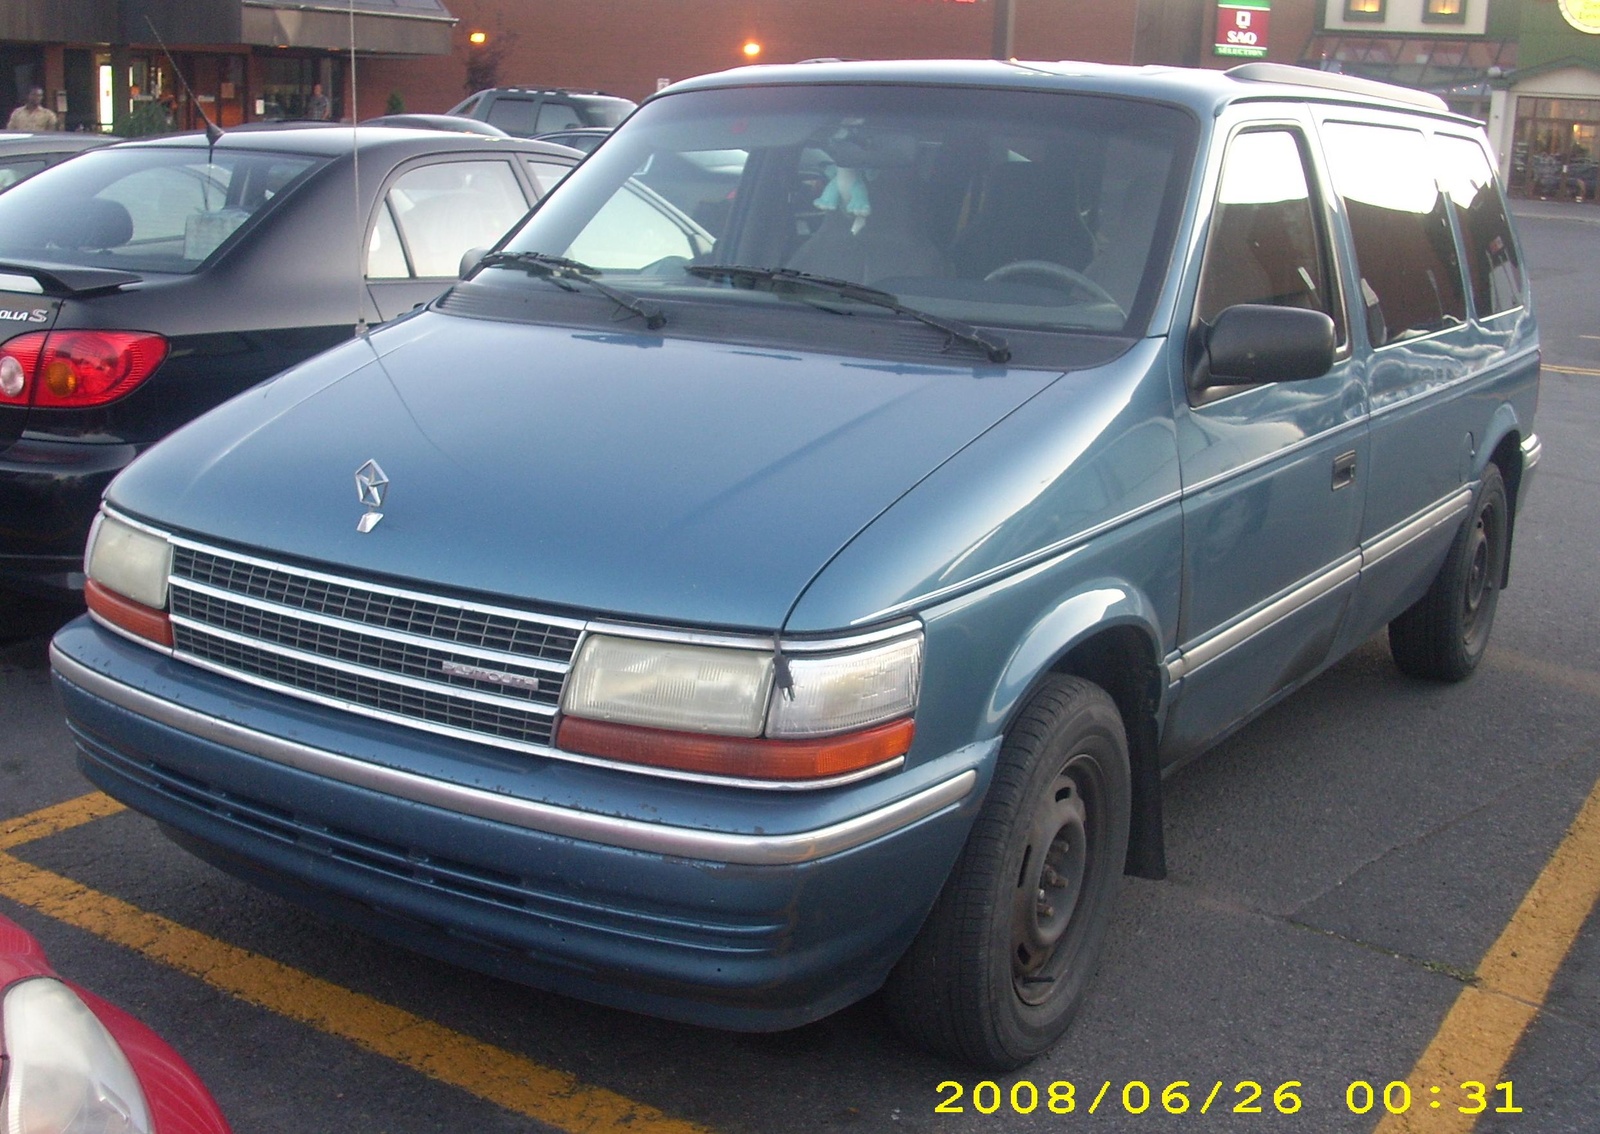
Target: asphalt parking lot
x=1382, y=892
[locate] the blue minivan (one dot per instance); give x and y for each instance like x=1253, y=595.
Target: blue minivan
x=730, y=600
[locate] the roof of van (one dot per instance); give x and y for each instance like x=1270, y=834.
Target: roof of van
x=1203, y=90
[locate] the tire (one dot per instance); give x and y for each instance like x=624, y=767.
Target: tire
x=1000, y=966
x=1445, y=633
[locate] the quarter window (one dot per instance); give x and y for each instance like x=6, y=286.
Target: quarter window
x=1265, y=244
x=1492, y=267
x=1405, y=250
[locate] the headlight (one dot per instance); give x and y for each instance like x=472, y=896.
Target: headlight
x=132, y=562
x=669, y=685
x=735, y=713
x=127, y=569
x=66, y=1074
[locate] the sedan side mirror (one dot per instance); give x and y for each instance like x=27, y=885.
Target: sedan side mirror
x=1253, y=343
x=469, y=261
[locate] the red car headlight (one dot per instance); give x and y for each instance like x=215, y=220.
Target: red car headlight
x=65, y=1073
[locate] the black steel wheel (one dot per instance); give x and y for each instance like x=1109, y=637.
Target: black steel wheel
x=1000, y=966
x=1445, y=633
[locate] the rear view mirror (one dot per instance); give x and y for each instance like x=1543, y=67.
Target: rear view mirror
x=1254, y=343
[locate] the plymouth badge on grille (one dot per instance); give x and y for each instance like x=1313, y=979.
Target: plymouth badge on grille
x=371, y=484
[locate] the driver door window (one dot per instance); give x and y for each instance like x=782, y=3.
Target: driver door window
x=1265, y=244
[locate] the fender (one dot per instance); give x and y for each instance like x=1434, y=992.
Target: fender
x=1065, y=636
x=1093, y=606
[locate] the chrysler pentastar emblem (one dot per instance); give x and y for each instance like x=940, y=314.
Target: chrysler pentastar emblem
x=371, y=484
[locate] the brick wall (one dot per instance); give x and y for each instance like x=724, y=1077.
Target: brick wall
x=624, y=46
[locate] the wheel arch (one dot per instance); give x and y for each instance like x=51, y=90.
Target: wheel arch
x=1505, y=453
x=1107, y=633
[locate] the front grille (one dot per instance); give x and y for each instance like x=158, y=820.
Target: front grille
x=458, y=668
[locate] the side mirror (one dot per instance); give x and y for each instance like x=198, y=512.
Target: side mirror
x=1253, y=343
x=469, y=261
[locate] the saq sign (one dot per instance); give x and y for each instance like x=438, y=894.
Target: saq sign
x=1242, y=28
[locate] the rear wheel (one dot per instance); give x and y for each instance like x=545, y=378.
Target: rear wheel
x=1000, y=967
x=1445, y=633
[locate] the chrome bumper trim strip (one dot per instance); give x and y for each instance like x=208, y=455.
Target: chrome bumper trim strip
x=1446, y=511
x=630, y=834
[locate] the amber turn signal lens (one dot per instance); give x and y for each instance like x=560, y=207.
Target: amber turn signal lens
x=738, y=757
x=136, y=618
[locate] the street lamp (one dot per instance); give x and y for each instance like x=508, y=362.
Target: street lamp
x=478, y=38
x=751, y=49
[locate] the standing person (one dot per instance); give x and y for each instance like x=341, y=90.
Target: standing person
x=33, y=115
x=318, y=108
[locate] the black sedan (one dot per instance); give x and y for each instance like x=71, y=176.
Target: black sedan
x=23, y=154
x=143, y=283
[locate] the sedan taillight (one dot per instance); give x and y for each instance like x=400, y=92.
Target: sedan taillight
x=76, y=369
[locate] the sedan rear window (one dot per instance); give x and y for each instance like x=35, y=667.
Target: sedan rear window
x=144, y=209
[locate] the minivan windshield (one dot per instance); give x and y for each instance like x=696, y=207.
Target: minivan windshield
x=1041, y=210
x=142, y=208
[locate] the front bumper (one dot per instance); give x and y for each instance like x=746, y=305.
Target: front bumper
x=716, y=906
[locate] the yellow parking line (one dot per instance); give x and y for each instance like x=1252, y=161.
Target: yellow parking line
x=510, y=1080
x=53, y=820
x=1488, y=1019
x=1571, y=370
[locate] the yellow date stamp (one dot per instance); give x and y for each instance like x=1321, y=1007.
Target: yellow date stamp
x=1246, y=1096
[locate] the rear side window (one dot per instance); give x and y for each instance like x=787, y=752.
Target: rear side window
x=1405, y=250
x=1266, y=244
x=1492, y=266
x=518, y=116
x=442, y=211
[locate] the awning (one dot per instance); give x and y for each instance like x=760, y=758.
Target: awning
x=388, y=27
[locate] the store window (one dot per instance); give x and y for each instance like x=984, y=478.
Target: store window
x=1444, y=11
x=1371, y=11
x=287, y=88
x=1555, y=147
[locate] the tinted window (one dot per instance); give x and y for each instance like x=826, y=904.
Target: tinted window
x=557, y=116
x=601, y=110
x=515, y=115
x=1265, y=244
x=152, y=209
x=1492, y=266
x=444, y=209
x=1405, y=251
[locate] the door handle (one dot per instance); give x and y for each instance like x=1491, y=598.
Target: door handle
x=1344, y=470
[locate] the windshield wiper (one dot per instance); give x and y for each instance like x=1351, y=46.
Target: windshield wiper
x=559, y=270
x=993, y=346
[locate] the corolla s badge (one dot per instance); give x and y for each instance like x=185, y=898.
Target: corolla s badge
x=371, y=485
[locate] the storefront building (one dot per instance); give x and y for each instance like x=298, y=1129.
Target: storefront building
x=143, y=66
x=1529, y=68
x=631, y=47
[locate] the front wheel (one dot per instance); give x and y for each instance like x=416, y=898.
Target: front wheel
x=1000, y=966
x=1444, y=634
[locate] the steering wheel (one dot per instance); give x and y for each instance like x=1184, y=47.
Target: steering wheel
x=1056, y=275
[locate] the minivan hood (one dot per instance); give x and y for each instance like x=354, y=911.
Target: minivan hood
x=614, y=474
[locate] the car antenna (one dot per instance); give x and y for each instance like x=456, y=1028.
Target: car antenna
x=355, y=181
x=213, y=131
